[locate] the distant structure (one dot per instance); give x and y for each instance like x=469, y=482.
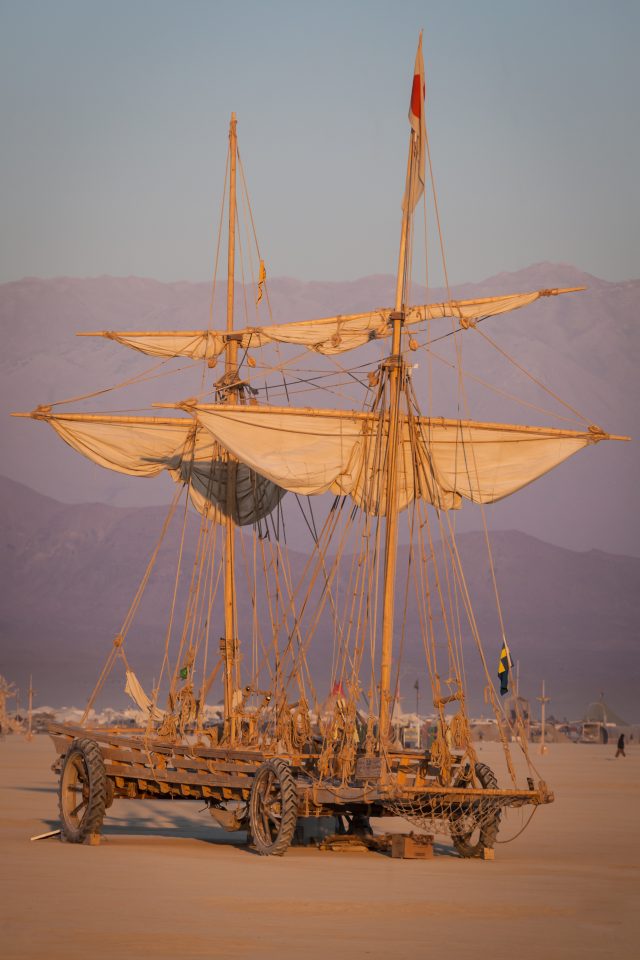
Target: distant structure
x=601, y=712
x=597, y=722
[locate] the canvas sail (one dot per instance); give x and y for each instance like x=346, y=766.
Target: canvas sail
x=441, y=461
x=327, y=336
x=145, y=446
x=135, y=690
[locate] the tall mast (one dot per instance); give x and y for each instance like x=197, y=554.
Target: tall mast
x=229, y=642
x=396, y=374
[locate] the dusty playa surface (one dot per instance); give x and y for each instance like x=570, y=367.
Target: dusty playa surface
x=166, y=883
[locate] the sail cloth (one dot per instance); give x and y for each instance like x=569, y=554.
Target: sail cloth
x=145, y=446
x=441, y=461
x=134, y=689
x=311, y=453
x=254, y=496
x=328, y=336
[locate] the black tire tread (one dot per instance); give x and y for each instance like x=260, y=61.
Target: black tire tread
x=489, y=830
x=91, y=822
x=289, y=820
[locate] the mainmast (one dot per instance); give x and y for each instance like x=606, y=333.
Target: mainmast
x=396, y=373
x=229, y=642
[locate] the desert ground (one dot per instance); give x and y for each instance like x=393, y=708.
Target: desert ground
x=165, y=882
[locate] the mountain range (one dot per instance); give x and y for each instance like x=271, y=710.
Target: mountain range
x=584, y=347
x=76, y=538
x=69, y=573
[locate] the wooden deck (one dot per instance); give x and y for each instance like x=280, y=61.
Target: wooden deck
x=140, y=767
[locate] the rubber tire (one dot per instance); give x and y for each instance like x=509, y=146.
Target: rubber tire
x=488, y=831
x=87, y=753
x=289, y=808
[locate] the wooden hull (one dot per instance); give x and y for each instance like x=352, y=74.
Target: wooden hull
x=139, y=767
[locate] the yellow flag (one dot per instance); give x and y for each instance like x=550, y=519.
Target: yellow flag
x=262, y=276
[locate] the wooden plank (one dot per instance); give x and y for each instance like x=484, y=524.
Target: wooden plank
x=323, y=796
x=141, y=742
x=138, y=772
x=144, y=746
x=175, y=791
x=188, y=763
x=234, y=767
x=122, y=755
x=222, y=753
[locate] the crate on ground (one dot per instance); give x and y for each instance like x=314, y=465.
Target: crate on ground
x=411, y=847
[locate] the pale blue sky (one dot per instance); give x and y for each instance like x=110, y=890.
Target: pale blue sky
x=115, y=115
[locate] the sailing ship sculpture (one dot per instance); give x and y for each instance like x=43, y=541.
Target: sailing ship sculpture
x=279, y=756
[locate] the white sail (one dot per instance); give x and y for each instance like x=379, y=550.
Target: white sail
x=441, y=461
x=330, y=335
x=145, y=446
x=485, y=462
x=134, y=689
x=137, y=446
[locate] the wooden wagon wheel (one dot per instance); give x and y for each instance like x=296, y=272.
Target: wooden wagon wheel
x=476, y=826
x=82, y=793
x=273, y=808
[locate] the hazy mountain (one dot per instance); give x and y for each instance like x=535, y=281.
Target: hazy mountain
x=584, y=346
x=69, y=573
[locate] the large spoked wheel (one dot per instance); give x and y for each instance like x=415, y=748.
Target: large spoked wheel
x=475, y=826
x=273, y=808
x=83, y=791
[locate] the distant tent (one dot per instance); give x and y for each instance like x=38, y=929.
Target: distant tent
x=601, y=712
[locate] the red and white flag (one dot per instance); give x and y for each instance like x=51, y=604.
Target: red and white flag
x=416, y=173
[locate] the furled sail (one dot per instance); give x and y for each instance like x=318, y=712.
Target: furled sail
x=135, y=690
x=331, y=335
x=441, y=461
x=145, y=446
